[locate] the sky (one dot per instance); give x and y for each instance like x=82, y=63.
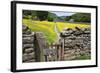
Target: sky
x=60, y=13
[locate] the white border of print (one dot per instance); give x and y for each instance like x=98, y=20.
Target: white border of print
x=36, y=65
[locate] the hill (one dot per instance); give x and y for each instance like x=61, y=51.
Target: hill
x=80, y=17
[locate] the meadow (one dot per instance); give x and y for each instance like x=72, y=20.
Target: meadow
x=48, y=28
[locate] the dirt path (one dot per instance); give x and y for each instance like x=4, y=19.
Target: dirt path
x=57, y=32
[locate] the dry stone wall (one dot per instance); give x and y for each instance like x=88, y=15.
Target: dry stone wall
x=27, y=45
x=77, y=42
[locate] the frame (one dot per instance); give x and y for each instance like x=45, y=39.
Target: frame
x=48, y=36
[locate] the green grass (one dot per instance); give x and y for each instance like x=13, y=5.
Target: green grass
x=45, y=27
x=62, y=25
x=83, y=57
x=48, y=28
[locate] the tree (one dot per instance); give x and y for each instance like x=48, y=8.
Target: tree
x=42, y=15
x=27, y=12
x=50, y=19
x=68, y=18
x=33, y=15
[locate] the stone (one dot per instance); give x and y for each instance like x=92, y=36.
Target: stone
x=28, y=40
x=27, y=57
x=29, y=50
x=28, y=45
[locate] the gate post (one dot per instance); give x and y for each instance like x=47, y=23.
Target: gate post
x=58, y=52
x=39, y=44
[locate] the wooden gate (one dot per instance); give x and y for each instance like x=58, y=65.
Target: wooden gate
x=45, y=52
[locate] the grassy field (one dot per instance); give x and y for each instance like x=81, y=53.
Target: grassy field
x=48, y=27
x=62, y=25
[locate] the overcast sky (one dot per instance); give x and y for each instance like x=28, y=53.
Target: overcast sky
x=58, y=13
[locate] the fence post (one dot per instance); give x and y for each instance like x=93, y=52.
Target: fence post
x=58, y=52
x=39, y=44
x=62, y=49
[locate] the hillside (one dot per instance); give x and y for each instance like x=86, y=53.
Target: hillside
x=80, y=17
